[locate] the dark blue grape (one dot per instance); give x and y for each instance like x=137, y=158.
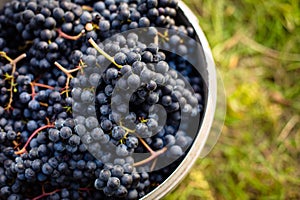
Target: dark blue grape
x=106, y=125
x=36, y=165
x=121, y=192
x=124, y=14
x=175, y=151
x=87, y=96
x=46, y=35
x=62, y=167
x=27, y=15
x=122, y=150
x=58, y=13
x=47, y=169
x=55, y=96
x=117, y=171
x=69, y=16
x=67, y=27
x=152, y=3
x=112, y=73
x=118, y=133
x=99, y=6
x=99, y=184
x=132, y=142
x=50, y=23
x=104, y=25
x=133, y=81
x=65, y=132
x=34, y=105
x=65, y=193
x=77, y=174
x=113, y=182
x=74, y=140
x=158, y=143
x=120, y=58
x=152, y=14
x=133, y=194
x=104, y=175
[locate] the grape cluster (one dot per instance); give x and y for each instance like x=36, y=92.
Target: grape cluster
x=92, y=107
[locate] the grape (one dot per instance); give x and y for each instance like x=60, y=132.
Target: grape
x=132, y=194
x=74, y=140
x=162, y=67
x=97, y=134
x=175, y=151
x=117, y=171
x=133, y=80
x=94, y=79
x=166, y=100
x=132, y=57
x=122, y=150
x=106, y=125
x=105, y=175
x=104, y=25
x=113, y=182
x=47, y=169
x=99, y=184
x=118, y=133
x=33, y=105
x=132, y=142
x=65, y=132
x=85, y=17
x=36, y=165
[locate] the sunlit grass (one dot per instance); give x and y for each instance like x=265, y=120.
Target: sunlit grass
x=256, y=46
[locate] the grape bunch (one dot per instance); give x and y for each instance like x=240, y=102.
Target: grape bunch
x=99, y=99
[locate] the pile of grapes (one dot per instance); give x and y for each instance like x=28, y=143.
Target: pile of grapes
x=98, y=98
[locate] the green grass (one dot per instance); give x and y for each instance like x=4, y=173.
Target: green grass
x=256, y=47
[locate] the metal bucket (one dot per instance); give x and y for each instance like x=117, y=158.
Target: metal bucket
x=187, y=17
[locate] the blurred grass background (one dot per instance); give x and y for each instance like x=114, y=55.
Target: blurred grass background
x=256, y=47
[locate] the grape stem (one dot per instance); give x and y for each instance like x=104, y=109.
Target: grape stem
x=154, y=154
x=68, y=73
x=153, y=165
x=43, y=85
x=13, y=63
x=16, y=144
x=44, y=104
x=156, y=40
x=33, y=85
x=108, y=57
x=146, y=146
x=91, y=26
x=27, y=43
x=87, y=8
x=164, y=36
x=23, y=150
x=69, y=37
x=46, y=194
x=127, y=130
